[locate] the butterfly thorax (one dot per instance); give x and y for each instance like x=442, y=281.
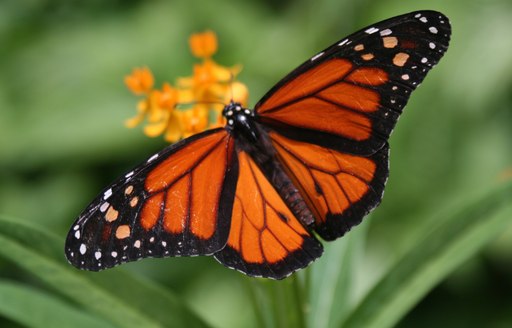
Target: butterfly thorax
x=240, y=121
x=253, y=139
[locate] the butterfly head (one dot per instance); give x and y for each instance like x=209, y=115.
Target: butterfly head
x=240, y=119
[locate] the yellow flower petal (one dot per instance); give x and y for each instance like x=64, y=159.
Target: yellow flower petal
x=186, y=96
x=194, y=120
x=140, y=81
x=173, y=131
x=203, y=45
x=142, y=107
x=240, y=93
x=155, y=112
x=185, y=82
x=155, y=129
x=210, y=71
x=168, y=97
x=134, y=121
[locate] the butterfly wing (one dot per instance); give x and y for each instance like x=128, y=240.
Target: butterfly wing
x=177, y=203
x=349, y=96
x=266, y=239
x=339, y=188
x=329, y=120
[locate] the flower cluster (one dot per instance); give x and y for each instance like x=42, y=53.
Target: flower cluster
x=195, y=103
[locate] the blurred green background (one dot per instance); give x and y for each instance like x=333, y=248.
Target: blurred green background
x=62, y=139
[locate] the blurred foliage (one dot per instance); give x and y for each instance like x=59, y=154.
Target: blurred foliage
x=421, y=254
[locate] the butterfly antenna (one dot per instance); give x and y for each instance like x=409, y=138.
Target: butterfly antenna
x=231, y=80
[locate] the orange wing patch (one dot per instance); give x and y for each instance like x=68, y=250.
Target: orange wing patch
x=265, y=239
x=308, y=83
x=177, y=203
x=332, y=183
x=321, y=115
x=334, y=97
x=191, y=182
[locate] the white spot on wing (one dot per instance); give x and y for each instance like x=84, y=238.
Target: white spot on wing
x=317, y=56
x=423, y=19
x=417, y=15
x=152, y=158
x=83, y=249
x=104, y=207
x=385, y=32
x=342, y=42
x=433, y=30
x=424, y=60
x=76, y=227
x=107, y=194
x=137, y=244
x=164, y=244
x=114, y=254
x=405, y=77
x=432, y=45
x=371, y=30
x=97, y=255
x=77, y=234
x=129, y=174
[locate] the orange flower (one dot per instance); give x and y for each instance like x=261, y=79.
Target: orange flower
x=203, y=45
x=196, y=102
x=140, y=81
x=158, y=108
x=195, y=120
x=168, y=97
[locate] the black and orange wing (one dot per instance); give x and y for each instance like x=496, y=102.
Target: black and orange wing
x=177, y=203
x=266, y=239
x=329, y=120
x=338, y=188
x=349, y=96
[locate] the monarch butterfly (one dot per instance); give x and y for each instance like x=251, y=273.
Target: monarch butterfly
x=310, y=160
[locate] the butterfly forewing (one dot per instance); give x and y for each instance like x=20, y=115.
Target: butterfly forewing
x=177, y=203
x=349, y=96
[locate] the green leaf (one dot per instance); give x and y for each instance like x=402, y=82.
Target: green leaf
x=116, y=296
x=460, y=235
x=333, y=278
x=17, y=300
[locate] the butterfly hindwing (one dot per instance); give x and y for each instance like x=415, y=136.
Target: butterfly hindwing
x=349, y=96
x=266, y=239
x=340, y=189
x=177, y=203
